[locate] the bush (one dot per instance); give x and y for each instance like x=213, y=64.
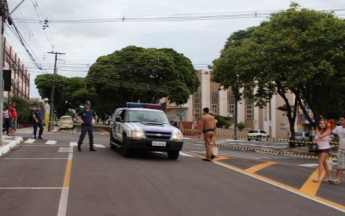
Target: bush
x=222, y=121
x=241, y=126
x=23, y=109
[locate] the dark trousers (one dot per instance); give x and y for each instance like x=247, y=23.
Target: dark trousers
x=6, y=125
x=40, y=125
x=89, y=130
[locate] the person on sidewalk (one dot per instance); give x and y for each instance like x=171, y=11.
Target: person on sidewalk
x=37, y=116
x=12, y=112
x=322, y=138
x=340, y=132
x=87, y=118
x=208, y=128
x=6, y=120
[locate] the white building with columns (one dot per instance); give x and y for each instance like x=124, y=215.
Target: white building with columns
x=222, y=102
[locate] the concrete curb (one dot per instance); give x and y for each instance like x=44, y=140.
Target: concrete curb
x=11, y=144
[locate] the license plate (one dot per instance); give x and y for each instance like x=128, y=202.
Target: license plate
x=155, y=143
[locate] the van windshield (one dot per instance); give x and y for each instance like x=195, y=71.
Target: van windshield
x=147, y=116
x=298, y=133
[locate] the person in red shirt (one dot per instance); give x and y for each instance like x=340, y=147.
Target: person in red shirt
x=12, y=112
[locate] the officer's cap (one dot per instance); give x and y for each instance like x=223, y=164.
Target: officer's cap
x=88, y=103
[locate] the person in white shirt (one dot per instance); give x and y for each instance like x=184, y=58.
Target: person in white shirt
x=6, y=120
x=340, y=132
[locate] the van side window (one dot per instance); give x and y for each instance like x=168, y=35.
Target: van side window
x=118, y=114
x=122, y=115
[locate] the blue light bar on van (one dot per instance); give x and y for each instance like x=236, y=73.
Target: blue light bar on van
x=136, y=105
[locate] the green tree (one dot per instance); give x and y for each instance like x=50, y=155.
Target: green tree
x=23, y=109
x=135, y=73
x=69, y=92
x=298, y=51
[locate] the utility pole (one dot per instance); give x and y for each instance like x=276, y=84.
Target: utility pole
x=50, y=126
x=4, y=15
x=1, y=69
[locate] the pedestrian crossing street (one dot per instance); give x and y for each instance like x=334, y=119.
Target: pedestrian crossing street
x=75, y=144
x=54, y=142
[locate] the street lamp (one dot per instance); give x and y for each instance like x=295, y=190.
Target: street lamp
x=236, y=109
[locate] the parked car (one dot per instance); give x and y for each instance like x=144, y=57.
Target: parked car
x=66, y=122
x=257, y=135
x=303, y=136
x=144, y=129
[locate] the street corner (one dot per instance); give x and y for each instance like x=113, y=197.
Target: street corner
x=9, y=143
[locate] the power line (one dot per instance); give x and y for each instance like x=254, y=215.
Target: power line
x=45, y=25
x=170, y=18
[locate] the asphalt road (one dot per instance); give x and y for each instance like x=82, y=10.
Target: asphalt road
x=52, y=178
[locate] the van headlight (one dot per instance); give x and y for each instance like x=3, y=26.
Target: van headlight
x=138, y=134
x=177, y=136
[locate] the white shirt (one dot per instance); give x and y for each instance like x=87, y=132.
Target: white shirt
x=6, y=114
x=340, y=131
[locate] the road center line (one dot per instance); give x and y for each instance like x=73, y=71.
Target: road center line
x=65, y=190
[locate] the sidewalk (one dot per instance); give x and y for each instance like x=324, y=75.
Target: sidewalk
x=8, y=143
x=274, y=148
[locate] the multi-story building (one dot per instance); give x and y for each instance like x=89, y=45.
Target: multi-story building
x=222, y=102
x=20, y=82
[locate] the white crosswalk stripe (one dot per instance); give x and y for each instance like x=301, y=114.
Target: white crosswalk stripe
x=28, y=141
x=72, y=144
x=99, y=145
x=185, y=155
x=51, y=142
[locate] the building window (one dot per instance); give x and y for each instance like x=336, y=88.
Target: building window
x=249, y=109
x=214, y=102
x=197, y=105
x=231, y=104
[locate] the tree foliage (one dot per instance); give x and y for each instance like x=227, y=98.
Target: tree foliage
x=298, y=51
x=145, y=75
x=69, y=92
x=22, y=108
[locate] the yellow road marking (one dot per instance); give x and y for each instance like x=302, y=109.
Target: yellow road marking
x=289, y=188
x=103, y=131
x=258, y=167
x=218, y=158
x=305, y=193
x=310, y=188
x=67, y=174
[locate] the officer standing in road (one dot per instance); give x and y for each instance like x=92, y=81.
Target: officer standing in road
x=87, y=118
x=208, y=124
x=37, y=116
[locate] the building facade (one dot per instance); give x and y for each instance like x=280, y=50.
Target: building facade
x=20, y=82
x=222, y=102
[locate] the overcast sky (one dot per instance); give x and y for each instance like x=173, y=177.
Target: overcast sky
x=83, y=42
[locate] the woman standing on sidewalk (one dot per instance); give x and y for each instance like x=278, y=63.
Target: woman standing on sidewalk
x=322, y=138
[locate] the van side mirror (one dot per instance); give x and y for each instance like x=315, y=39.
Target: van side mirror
x=118, y=119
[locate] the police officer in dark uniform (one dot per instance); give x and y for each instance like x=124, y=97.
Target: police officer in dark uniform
x=37, y=116
x=86, y=117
